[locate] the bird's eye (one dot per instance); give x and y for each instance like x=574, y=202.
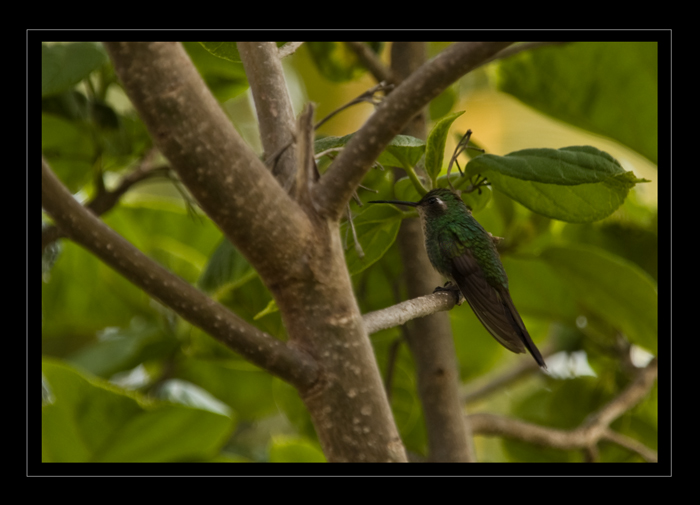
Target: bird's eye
x=432, y=200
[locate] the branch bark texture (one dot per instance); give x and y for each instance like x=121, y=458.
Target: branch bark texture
x=224, y=175
x=273, y=106
x=297, y=252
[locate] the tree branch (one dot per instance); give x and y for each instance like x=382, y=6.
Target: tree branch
x=372, y=62
x=104, y=200
x=342, y=178
x=630, y=396
x=524, y=46
x=87, y=230
x=288, y=49
x=273, y=106
x=223, y=174
x=594, y=428
x=401, y=313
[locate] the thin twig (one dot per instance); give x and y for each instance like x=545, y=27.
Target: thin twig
x=367, y=96
x=461, y=146
x=289, y=48
x=358, y=247
x=586, y=436
x=405, y=311
x=372, y=62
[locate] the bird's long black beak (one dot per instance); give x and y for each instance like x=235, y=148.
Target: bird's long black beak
x=397, y=202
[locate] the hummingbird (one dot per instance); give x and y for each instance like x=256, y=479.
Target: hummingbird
x=462, y=251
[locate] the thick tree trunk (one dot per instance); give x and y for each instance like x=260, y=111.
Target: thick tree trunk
x=297, y=253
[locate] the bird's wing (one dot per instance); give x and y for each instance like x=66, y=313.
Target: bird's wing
x=492, y=304
x=486, y=301
x=524, y=335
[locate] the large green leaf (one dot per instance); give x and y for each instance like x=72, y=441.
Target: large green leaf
x=579, y=184
x=69, y=150
x=609, y=88
x=120, y=349
x=185, y=393
x=435, y=147
x=405, y=191
x=376, y=230
x=240, y=385
x=65, y=65
x=610, y=287
x=88, y=419
x=83, y=295
x=537, y=290
x=226, y=269
x=402, y=151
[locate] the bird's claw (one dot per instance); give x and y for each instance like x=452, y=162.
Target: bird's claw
x=450, y=286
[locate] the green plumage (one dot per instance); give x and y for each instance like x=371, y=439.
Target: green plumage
x=461, y=250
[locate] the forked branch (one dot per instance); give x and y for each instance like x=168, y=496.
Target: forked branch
x=341, y=180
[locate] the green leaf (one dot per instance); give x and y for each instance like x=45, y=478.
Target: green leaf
x=226, y=270
x=435, y=147
x=88, y=419
x=224, y=50
x=227, y=50
x=285, y=449
x=225, y=79
x=609, y=88
x=405, y=191
x=191, y=395
x=331, y=142
x=577, y=184
x=376, y=229
x=442, y=104
x=197, y=434
x=122, y=349
x=537, y=290
x=336, y=62
x=69, y=149
x=612, y=288
x=71, y=105
x=234, y=381
x=65, y=65
x=402, y=151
